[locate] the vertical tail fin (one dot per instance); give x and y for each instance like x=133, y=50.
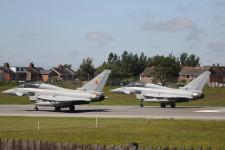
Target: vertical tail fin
x=98, y=82
x=198, y=83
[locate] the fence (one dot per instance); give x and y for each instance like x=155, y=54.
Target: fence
x=11, y=144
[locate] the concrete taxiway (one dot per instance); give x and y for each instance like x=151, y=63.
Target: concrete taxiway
x=198, y=113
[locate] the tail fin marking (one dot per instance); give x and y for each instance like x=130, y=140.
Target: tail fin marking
x=97, y=83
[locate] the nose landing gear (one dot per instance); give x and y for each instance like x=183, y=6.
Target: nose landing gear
x=36, y=108
x=72, y=108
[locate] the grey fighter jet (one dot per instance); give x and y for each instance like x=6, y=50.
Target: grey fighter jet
x=49, y=95
x=165, y=95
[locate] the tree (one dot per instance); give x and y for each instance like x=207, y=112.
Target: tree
x=86, y=70
x=189, y=60
x=183, y=59
x=68, y=66
x=166, y=68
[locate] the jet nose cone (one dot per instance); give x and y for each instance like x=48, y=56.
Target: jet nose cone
x=118, y=90
x=8, y=91
x=13, y=92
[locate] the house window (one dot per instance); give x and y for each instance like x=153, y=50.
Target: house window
x=21, y=69
x=17, y=69
x=188, y=76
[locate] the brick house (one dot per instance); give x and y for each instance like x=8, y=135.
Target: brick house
x=34, y=73
x=151, y=75
x=45, y=75
x=30, y=73
x=217, y=77
x=6, y=74
x=189, y=73
x=62, y=73
x=20, y=73
x=147, y=75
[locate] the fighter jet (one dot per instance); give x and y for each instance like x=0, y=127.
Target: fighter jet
x=165, y=95
x=49, y=95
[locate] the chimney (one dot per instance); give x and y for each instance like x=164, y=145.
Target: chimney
x=6, y=65
x=61, y=66
x=218, y=65
x=31, y=65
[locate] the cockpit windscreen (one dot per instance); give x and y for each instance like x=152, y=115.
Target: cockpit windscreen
x=136, y=84
x=30, y=85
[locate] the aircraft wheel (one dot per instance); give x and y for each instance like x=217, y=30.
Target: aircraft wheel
x=141, y=105
x=163, y=105
x=36, y=108
x=173, y=105
x=57, y=109
x=72, y=108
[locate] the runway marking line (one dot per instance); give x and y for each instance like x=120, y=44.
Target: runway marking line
x=207, y=111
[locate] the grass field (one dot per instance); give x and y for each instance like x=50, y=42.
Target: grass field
x=116, y=131
x=213, y=97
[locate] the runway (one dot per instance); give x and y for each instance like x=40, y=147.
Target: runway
x=151, y=112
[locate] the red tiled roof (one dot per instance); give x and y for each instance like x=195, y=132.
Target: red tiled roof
x=148, y=71
x=218, y=71
x=7, y=70
x=61, y=71
x=33, y=70
x=186, y=70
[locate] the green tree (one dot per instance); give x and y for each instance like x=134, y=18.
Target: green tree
x=166, y=68
x=189, y=60
x=86, y=70
x=68, y=66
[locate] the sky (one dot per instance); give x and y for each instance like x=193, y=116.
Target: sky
x=53, y=32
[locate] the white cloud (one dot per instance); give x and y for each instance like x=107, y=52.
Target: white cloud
x=187, y=7
x=195, y=34
x=217, y=46
x=99, y=36
x=172, y=25
x=218, y=3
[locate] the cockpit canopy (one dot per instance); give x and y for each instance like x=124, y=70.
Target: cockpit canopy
x=135, y=84
x=30, y=85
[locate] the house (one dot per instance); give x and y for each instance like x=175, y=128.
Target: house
x=147, y=75
x=30, y=73
x=188, y=73
x=62, y=73
x=34, y=73
x=6, y=74
x=45, y=75
x=217, y=77
x=20, y=73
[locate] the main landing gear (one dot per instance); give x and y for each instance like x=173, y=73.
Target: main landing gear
x=172, y=105
x=141, y=104
x=36, y=108
x=163, y=105
x=72, y=108
x=57, y=109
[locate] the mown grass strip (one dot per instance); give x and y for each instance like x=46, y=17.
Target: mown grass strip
x=152, y=132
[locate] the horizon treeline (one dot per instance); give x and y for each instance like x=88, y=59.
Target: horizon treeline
x=127, y=66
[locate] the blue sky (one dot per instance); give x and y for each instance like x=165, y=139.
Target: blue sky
x=53, y=32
